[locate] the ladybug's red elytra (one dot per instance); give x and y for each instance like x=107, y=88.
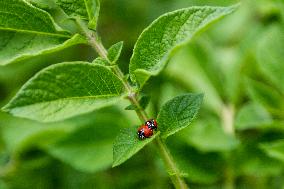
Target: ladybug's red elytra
x=146, y=130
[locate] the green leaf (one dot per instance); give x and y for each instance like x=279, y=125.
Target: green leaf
x=274, y=149
x=114, y=52
x=43, y=4
x=65, y=90
x=85, y=9
x=127, y=144
x=252, y=116
x=144, y=101
x=100, y=61
x=264, y=94
x=27, y=31
x=270, y=55
x=89, y=148
x=197, y=165
x=21, y=134
x=249, y=160
x=157, y=42
x=178, y=113
x=208, y=136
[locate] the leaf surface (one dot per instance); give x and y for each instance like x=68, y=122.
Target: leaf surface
x=178, y=113
x=252, y=115
x=270, y=56
x=275, y=149
x=114, y=51
x=156, y=43
x=127, y=144
x=27, y=31
x=65, y=90
x=89, y=148
x=85, y=9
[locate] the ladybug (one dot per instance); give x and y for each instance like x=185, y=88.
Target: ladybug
x=144, y=132
x=151, y=124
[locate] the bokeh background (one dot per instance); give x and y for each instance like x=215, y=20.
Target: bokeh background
x=237, y=141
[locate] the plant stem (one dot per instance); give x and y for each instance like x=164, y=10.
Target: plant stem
x=227, y=117
x=170, y=163
x=94, y=41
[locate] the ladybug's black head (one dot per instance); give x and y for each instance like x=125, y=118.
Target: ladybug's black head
x=151, y=124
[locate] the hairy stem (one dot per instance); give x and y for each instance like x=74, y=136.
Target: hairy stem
x=94, y=41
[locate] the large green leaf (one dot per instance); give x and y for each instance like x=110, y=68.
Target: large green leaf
x=127, y=144
x=90, y=148
x=21, y=134
x=270, y=55
x=65, y=90
x=266, y=95
x=252, y=116
x=178, y=113
x=171, y=30
x=208, y=136
x=27, y=31
x=274, y=149
x=85, y=9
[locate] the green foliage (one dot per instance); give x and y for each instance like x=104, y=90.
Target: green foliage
x=270, y=56
x=114, y=52
x=252, y=116
x=127, y=144
x=236, y=142
x=275, y=149
x=156, y=43
x=178, y=113
x=208, y=136
x=34, y=34
x=65, y=90
x=143, y=101
x=89, y=148
x=85, y=9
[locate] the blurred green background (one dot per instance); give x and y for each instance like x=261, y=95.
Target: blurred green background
x=237, y=141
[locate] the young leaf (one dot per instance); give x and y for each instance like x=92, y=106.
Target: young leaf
x=270, y=56
x=274, y=149
x=27, y=31
x=100, y=61
x=156, y=43
x=252, y=116
x=127, y=144
x=114, y=51
x=178, y=113
x=65, y=90
x=85, y=9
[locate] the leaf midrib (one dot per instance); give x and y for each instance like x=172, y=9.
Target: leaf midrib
x=66, y=98
x=35, y=32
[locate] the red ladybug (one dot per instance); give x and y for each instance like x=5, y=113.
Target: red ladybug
x=144, y=132
x=151, y=124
